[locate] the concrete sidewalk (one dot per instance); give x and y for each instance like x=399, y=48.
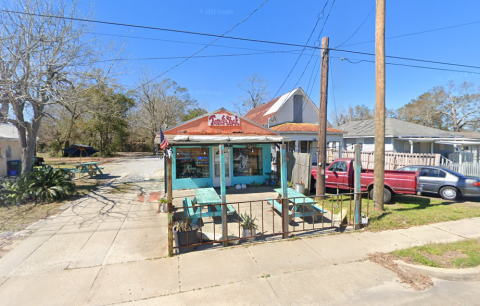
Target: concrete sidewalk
x=323, y=270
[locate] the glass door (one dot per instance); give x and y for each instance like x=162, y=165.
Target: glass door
x=216, y=168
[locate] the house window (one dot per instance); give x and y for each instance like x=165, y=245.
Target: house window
x=8, y=152
x=406, y=146
x=442, y=147
x=247, y=161
x=303, y=146
x=193, y=162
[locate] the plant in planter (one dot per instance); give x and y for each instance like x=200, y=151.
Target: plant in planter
x=248, y=225
x=162, y=205
x=185, y=234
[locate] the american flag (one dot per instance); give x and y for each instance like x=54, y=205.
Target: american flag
x=163, y=140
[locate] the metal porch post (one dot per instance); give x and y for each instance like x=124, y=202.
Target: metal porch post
x=224, y=195
x=357, y=190
x=170, y=206
x=283, y=153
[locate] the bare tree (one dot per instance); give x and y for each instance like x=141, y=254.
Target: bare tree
x=256, y=91
x=41, y=61
x=160, y=103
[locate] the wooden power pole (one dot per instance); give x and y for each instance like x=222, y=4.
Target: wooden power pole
x=379, y=163
x=322, y=120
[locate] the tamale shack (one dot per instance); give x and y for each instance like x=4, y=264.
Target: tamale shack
x=195, y=148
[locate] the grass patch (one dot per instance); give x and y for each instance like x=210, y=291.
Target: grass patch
x=16, y=218
x=122, y=188
x=405, y=212
x=462, y=254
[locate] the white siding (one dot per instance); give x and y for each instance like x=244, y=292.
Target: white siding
x=15, y=151
x=285, y=113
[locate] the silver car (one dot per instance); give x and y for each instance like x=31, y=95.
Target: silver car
x=450, y=185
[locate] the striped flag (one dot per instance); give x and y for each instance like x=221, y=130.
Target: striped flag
x=163, y=140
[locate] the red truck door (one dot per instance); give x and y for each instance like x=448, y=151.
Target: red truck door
x=336, y=176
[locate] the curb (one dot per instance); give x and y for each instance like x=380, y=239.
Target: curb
x=468, y=274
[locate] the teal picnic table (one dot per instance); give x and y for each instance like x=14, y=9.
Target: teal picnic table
x=91, y=168
x=205, y=196
x=303, y=206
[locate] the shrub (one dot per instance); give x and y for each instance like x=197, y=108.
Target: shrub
x=15, y=191
x=50, y=185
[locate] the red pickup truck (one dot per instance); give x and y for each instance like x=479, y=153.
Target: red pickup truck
x=340, y=175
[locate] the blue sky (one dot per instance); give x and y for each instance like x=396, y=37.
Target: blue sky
x=214, y=81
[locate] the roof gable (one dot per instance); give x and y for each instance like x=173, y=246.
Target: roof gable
x=262, y=113
x=200, y=126
x=8, y=132
x=393, y=127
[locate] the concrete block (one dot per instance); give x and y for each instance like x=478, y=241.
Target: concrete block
x=67, y=287
x=212, y=268
x=468, y=228
x=284, y=256
x=256, y=292
x=338, y=248
x=135, y=281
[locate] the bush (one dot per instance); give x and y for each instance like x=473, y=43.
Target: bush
x=50, y=185
x=96, y=154
x=15, y=191
x=40, y=185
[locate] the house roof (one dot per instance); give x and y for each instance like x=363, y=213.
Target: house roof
x=301, y=127
x=8, y=132
x=393, y=128
x=198, y=129
x=262, y=113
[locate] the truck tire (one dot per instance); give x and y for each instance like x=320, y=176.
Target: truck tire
x=387, y=195
x=449, y=193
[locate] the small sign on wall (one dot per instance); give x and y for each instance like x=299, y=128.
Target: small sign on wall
x=223, y=120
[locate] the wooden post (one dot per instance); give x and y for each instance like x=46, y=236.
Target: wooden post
x=283, y=154
x=357, y=198
x=170, y=206
x=322, y=120
x=224, y=195
x=379, y=162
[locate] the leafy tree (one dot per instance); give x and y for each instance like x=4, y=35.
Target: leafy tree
x=256, y=93
x=194, y=113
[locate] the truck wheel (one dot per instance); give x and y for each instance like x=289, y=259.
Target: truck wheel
x=449, y=193
x=387, y=195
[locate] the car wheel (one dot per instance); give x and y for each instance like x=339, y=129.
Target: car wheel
x=387, y=195
x=449, y=193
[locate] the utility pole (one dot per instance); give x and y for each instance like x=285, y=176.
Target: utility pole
x=379, y=163
x=322, y=120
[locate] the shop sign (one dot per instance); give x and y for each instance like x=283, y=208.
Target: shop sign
x=223, y=120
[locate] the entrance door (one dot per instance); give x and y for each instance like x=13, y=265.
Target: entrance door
x=216, y=168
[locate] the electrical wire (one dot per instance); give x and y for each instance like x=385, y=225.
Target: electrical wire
x=319, y=16
x=318, y=39
x=420, y=32
x=359, y=27
x=249, y=39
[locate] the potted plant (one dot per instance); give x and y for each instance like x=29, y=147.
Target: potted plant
x=249, y=228
x=185, y=234
x=162, y=205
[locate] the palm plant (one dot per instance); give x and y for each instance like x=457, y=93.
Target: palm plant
x=15, y=191
x=50, y=185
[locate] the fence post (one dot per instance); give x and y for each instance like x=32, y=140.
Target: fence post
x=283, y=153
x=223, y=193
x=357, y=197
x=170, y=206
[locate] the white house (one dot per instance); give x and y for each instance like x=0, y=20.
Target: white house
x=294, y=115
x=9, y=146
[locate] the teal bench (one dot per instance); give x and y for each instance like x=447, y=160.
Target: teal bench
x=189, y=211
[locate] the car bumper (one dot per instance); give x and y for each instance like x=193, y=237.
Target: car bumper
x=470, y=192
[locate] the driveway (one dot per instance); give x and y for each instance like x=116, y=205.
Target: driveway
x=109, y=226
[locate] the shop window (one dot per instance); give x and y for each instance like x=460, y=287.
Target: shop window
x=193, y=162
x=247, y=161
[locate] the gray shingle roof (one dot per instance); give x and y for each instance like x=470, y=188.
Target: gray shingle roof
x=393, y=127
x=8, y=132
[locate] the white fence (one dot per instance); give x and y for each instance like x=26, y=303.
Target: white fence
x=393, y=160
x=465, y=168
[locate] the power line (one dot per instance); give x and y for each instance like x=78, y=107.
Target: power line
x=407, y=65
x=205, y=47
x=318, y=39
x=359, y=27
x=315, y=79
x=420, y=32
x=248, y=39
x=311, y=75
x=319, y=16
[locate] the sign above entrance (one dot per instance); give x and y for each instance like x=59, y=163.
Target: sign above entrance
x=223, y=120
